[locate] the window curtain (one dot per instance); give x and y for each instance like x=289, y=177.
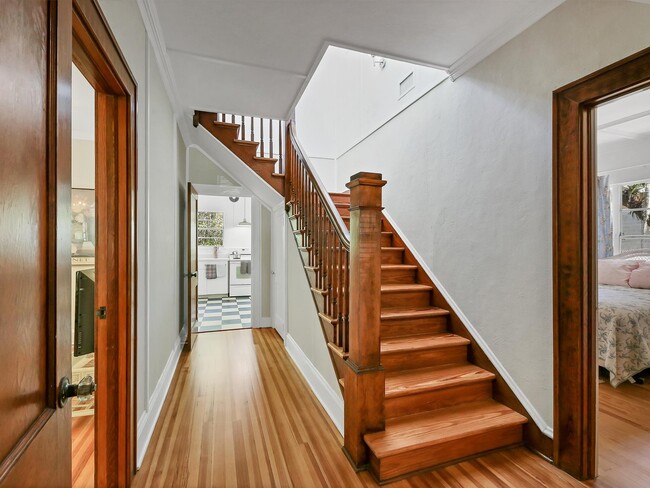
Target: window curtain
x=605, y=237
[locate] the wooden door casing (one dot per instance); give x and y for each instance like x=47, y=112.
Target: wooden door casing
x=575, y=291
x=35, y=141
x=192, y=267
x=97, y=55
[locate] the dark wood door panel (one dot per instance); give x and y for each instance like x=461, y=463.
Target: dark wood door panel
x=35, y=63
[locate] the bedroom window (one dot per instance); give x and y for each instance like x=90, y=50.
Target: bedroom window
x=635, y=216
x=210, y=229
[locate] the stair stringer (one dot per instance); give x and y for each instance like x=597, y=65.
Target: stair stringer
x=538, y=436
x=233, y=166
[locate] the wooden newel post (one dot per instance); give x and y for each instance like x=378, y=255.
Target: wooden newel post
x=364, y=377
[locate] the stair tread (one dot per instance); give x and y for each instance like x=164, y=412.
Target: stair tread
x=391, y=248
x=277, y=175
x=246, y=143
x=394, y=345
x=398, y=266
x=413, y=313
x=400, y=288
x=337, y=194
x=226, y=124
x=403, y=434
x=265, y=160
x=401, y=383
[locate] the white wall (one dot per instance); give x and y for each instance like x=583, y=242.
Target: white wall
x=233, y=235
x=161, y=173
x=204, y=171
x=469, y=178
x=347, y=99
x=303, y=324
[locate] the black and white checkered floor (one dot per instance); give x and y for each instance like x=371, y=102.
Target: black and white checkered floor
x=224, y=313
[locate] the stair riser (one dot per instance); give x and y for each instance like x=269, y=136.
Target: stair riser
x=244, y=151
x=224, y=133
x=409, y=298
x=311, y=277
x=398, y=276
x=344, y=211
x=454, y=450
x=386, y=240
x=341, y=198
x=392, y=256
x=410, y=327
x=424, y=358
x=319, y=299
x=432, y=400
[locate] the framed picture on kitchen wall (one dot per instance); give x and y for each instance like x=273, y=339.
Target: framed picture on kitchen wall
x=83, y=222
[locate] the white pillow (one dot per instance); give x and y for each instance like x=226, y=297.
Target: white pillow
x=615, y=271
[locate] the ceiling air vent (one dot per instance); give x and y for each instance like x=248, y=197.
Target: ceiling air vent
x=406, y=85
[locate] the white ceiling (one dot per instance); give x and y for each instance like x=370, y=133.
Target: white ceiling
x=255, y=57
x=83, y=107
x=625, y=118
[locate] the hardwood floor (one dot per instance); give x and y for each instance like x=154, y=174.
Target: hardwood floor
x=240, y=414
x=623, y=436
x=83, y=451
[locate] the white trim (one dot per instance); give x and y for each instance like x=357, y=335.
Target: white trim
x=147, y=237
x=256, y=263
x=328, y=398
x=148, y=419
x=501, y=36
x=537, y=418
x=278, y=270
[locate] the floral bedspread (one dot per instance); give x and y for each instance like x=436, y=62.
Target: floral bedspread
x=623, y=331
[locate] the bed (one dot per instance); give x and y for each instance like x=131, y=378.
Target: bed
x=624, y=327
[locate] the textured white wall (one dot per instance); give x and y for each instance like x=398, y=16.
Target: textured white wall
x=469, y=178
x=347, y=98
x=303, y=323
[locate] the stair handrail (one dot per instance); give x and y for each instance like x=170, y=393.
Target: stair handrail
x=340, y=227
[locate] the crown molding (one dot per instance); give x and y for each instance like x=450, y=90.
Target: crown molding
x=500, y=37
x=154, y=33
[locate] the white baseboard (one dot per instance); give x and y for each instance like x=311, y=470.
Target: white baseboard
x=546, y=429
x=148, y=419
x=328, y=397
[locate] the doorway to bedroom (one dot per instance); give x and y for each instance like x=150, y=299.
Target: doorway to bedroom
x=623, y=318
x=601, y=275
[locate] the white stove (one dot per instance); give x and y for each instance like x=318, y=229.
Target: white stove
x=239, y=276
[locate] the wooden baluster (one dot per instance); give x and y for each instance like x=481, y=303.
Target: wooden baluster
x=262, y=154
x=310, y=227
x=335, y=281
x=364, y=377
x=271, y=138
x=340, y=295
x=242, y=129
x=281, y=163
x=252, y=129
x=346, y=300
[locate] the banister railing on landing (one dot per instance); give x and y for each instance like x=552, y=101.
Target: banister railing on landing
x=269, y=133
x=324, y=235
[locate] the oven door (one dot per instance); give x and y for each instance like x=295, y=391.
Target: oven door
x=239, y=276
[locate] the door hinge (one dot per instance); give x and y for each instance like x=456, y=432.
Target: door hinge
x=101, y=312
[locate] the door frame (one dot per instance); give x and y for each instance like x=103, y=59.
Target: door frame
x=575, y=292
x=97, y=55
x=192, y=275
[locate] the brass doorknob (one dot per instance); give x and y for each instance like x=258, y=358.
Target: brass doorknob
x=82, y=390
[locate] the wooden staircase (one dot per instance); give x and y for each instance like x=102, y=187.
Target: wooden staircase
x=413, y=398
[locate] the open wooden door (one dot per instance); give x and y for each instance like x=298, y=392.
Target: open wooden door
x=35, y=142
x=193, y=267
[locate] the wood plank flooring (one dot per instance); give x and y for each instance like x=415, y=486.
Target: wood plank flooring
x=83, y=451
x=623, y=436
x=240, y=414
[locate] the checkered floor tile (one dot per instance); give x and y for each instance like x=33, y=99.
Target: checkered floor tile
x=224, y=313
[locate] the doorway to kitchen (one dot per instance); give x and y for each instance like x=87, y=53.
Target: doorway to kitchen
x=225, y=260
